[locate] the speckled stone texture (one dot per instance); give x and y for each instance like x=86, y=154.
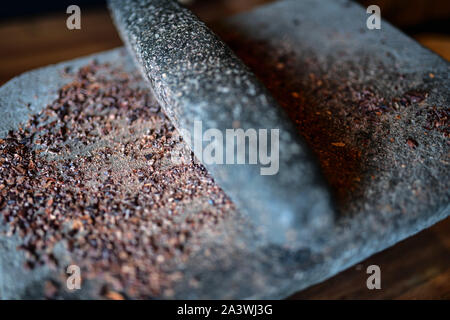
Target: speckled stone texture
x=21, y=97
x=195, y=76
x=365, y=101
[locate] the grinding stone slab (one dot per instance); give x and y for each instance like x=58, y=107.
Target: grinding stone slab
x=321, y=63
x=361, y=98
x=21, y=97
x=401, y=189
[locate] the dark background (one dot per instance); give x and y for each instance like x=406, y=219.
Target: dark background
x=411, y=16
x=34, y=33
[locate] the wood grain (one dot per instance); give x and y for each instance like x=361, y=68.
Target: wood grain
x=29, y=43
x=417, y=268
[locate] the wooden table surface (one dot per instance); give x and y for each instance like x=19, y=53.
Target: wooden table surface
x=417, y=268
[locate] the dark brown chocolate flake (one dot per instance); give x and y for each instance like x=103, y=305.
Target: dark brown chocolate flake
x=412, y=143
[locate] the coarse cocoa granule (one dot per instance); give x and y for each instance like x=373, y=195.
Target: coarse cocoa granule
x=93, y=170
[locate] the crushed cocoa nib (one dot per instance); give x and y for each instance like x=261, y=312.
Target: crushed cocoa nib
x=413, y=96
x=439, y=119
x=93, y=171
x=412, y=143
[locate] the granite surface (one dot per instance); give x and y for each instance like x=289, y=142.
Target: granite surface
x=366, y=99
